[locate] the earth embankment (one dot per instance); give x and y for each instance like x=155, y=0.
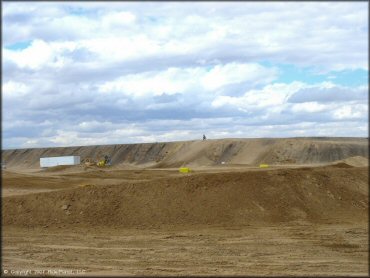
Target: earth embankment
x=204, y=153
x=322, y=194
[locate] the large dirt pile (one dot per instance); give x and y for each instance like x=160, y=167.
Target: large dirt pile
x=234, y=198
x=357, y=161
x=205, y=153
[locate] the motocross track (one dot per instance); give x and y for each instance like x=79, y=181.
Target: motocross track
x=141, y=218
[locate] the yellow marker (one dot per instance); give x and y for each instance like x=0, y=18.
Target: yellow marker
x=184, y=170
x=264, y=165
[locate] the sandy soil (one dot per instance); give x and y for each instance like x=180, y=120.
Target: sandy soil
x=332, y=246
x=233, y=219
x=289, y=249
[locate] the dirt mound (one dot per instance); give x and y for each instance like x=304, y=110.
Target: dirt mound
x=234, y=198
x=357, y=161
x=205, y=153
x=342, y=165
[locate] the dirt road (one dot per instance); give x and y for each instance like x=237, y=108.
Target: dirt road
x=291, y=249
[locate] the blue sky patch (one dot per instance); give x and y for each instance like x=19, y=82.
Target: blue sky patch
x=289, y=73
x=19, y=45
x=358, y=77
x=76, y=10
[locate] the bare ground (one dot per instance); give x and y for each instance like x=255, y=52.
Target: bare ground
x=232, y=219
x=289, y=249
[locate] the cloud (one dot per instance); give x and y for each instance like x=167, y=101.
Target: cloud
x=118, y=19
x=125, y=31
x=353, y=112
x=220, y=76
x=33, y=57
x=181, y=80
x=270, y=96
x=12, y=89
x=331, y=94
x=92, y=73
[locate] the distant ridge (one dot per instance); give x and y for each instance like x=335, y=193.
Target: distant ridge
x=299, y=150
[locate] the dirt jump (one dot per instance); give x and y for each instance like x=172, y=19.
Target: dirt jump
x=306, y=213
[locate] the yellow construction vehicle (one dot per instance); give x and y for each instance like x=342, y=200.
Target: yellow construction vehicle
x=104, y=162
x=100, y=163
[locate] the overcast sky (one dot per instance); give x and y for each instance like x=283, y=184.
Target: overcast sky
x=126, y=72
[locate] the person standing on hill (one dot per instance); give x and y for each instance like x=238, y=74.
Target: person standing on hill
x=204, y=137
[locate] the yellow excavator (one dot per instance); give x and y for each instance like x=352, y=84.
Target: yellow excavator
x=100, y=163
x=104, y=162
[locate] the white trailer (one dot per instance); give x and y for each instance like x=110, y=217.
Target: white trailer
x=59, y=160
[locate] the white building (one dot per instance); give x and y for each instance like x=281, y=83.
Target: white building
x=59, y=160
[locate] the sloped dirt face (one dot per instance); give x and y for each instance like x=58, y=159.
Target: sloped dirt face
x=233, y=198
x=206, y=153
x=304, y=221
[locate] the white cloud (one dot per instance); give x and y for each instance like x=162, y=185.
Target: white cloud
x=118, y=19
x=269, y=96
x=309, y=107
x=171, y=81
x=181, y=80
x=355, y=111
x=98, y=73
x=12, y=89
x=232, y=73
x=34, y=57
x=311, y=34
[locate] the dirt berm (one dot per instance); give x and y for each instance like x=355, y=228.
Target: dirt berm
x=205, y=153
x=323, y=194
